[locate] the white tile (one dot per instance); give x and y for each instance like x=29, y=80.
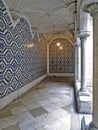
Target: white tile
x=32, y=106
x=50, y=107
x=57, y=125
x=27, y=125
x=19, y=109
x=60, y=113
x=23, y=116
x=4, y=123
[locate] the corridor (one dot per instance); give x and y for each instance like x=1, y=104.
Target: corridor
x=47, y=106
x=48, y=65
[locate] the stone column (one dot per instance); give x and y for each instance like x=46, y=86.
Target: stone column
x=83, y=34
x=83, y=37
x=78, y=78
x=76, y=61
x=91, y=6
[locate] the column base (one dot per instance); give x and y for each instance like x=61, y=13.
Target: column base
x=84, y=102
x=83, y=93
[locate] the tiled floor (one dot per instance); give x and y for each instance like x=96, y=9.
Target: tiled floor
x=48, y=106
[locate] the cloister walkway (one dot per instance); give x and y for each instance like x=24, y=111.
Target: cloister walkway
x=50, y=105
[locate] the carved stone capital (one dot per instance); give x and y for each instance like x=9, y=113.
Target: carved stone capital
x=77, y=41
x=83, y=34
x=90, y=6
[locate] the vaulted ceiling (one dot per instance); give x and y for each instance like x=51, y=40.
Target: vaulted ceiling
x=50, y=17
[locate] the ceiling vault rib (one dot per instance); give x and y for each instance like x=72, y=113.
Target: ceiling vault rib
x=48, y=16
x=58, y=8
x=49, y=13
x=16, y=3
x=60, y=17
x=12, y=9
x=71, y=3
x=52, y=15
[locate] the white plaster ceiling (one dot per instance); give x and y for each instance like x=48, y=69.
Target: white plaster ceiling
x=46, y=15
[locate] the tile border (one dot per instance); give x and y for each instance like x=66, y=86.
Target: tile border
x=61, y=74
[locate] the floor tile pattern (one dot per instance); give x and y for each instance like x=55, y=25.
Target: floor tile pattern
x=47, y=106
x=38, y=111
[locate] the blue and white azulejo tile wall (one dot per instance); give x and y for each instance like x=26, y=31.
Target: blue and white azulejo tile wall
x=22, y=57
x=61, y=60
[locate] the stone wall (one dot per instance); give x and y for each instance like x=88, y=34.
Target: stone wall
x=61, y=61
x=22, y=57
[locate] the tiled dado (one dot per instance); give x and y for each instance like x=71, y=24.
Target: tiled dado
x=12, y=96
x=61, y=61
x=20, y=64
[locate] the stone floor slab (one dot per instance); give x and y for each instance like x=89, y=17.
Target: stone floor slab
x=50, y=105
x=38, y=111
x=15, y=127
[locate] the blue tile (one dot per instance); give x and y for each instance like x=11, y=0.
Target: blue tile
x=19, y=64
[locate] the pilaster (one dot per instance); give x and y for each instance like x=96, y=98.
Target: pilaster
x=91, y=6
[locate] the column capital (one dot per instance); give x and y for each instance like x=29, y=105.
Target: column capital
x=77, y=41
x=90, y=6
x=83, y=34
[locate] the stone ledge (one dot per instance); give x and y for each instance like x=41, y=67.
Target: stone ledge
x=84, y=104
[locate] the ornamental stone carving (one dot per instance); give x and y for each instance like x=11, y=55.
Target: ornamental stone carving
x=90, y=6
x=82, y=34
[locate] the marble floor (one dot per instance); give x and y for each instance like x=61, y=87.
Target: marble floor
x=49, y=105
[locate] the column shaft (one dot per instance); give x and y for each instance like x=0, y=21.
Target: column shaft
x=78, y=63
x=83, y=64
x=83, y=37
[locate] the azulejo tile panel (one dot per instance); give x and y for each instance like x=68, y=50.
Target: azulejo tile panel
x=7, y=19
x=8, y=75
x=61, y=60
x=2, y=6
x=19, y=63
x=2, y=24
